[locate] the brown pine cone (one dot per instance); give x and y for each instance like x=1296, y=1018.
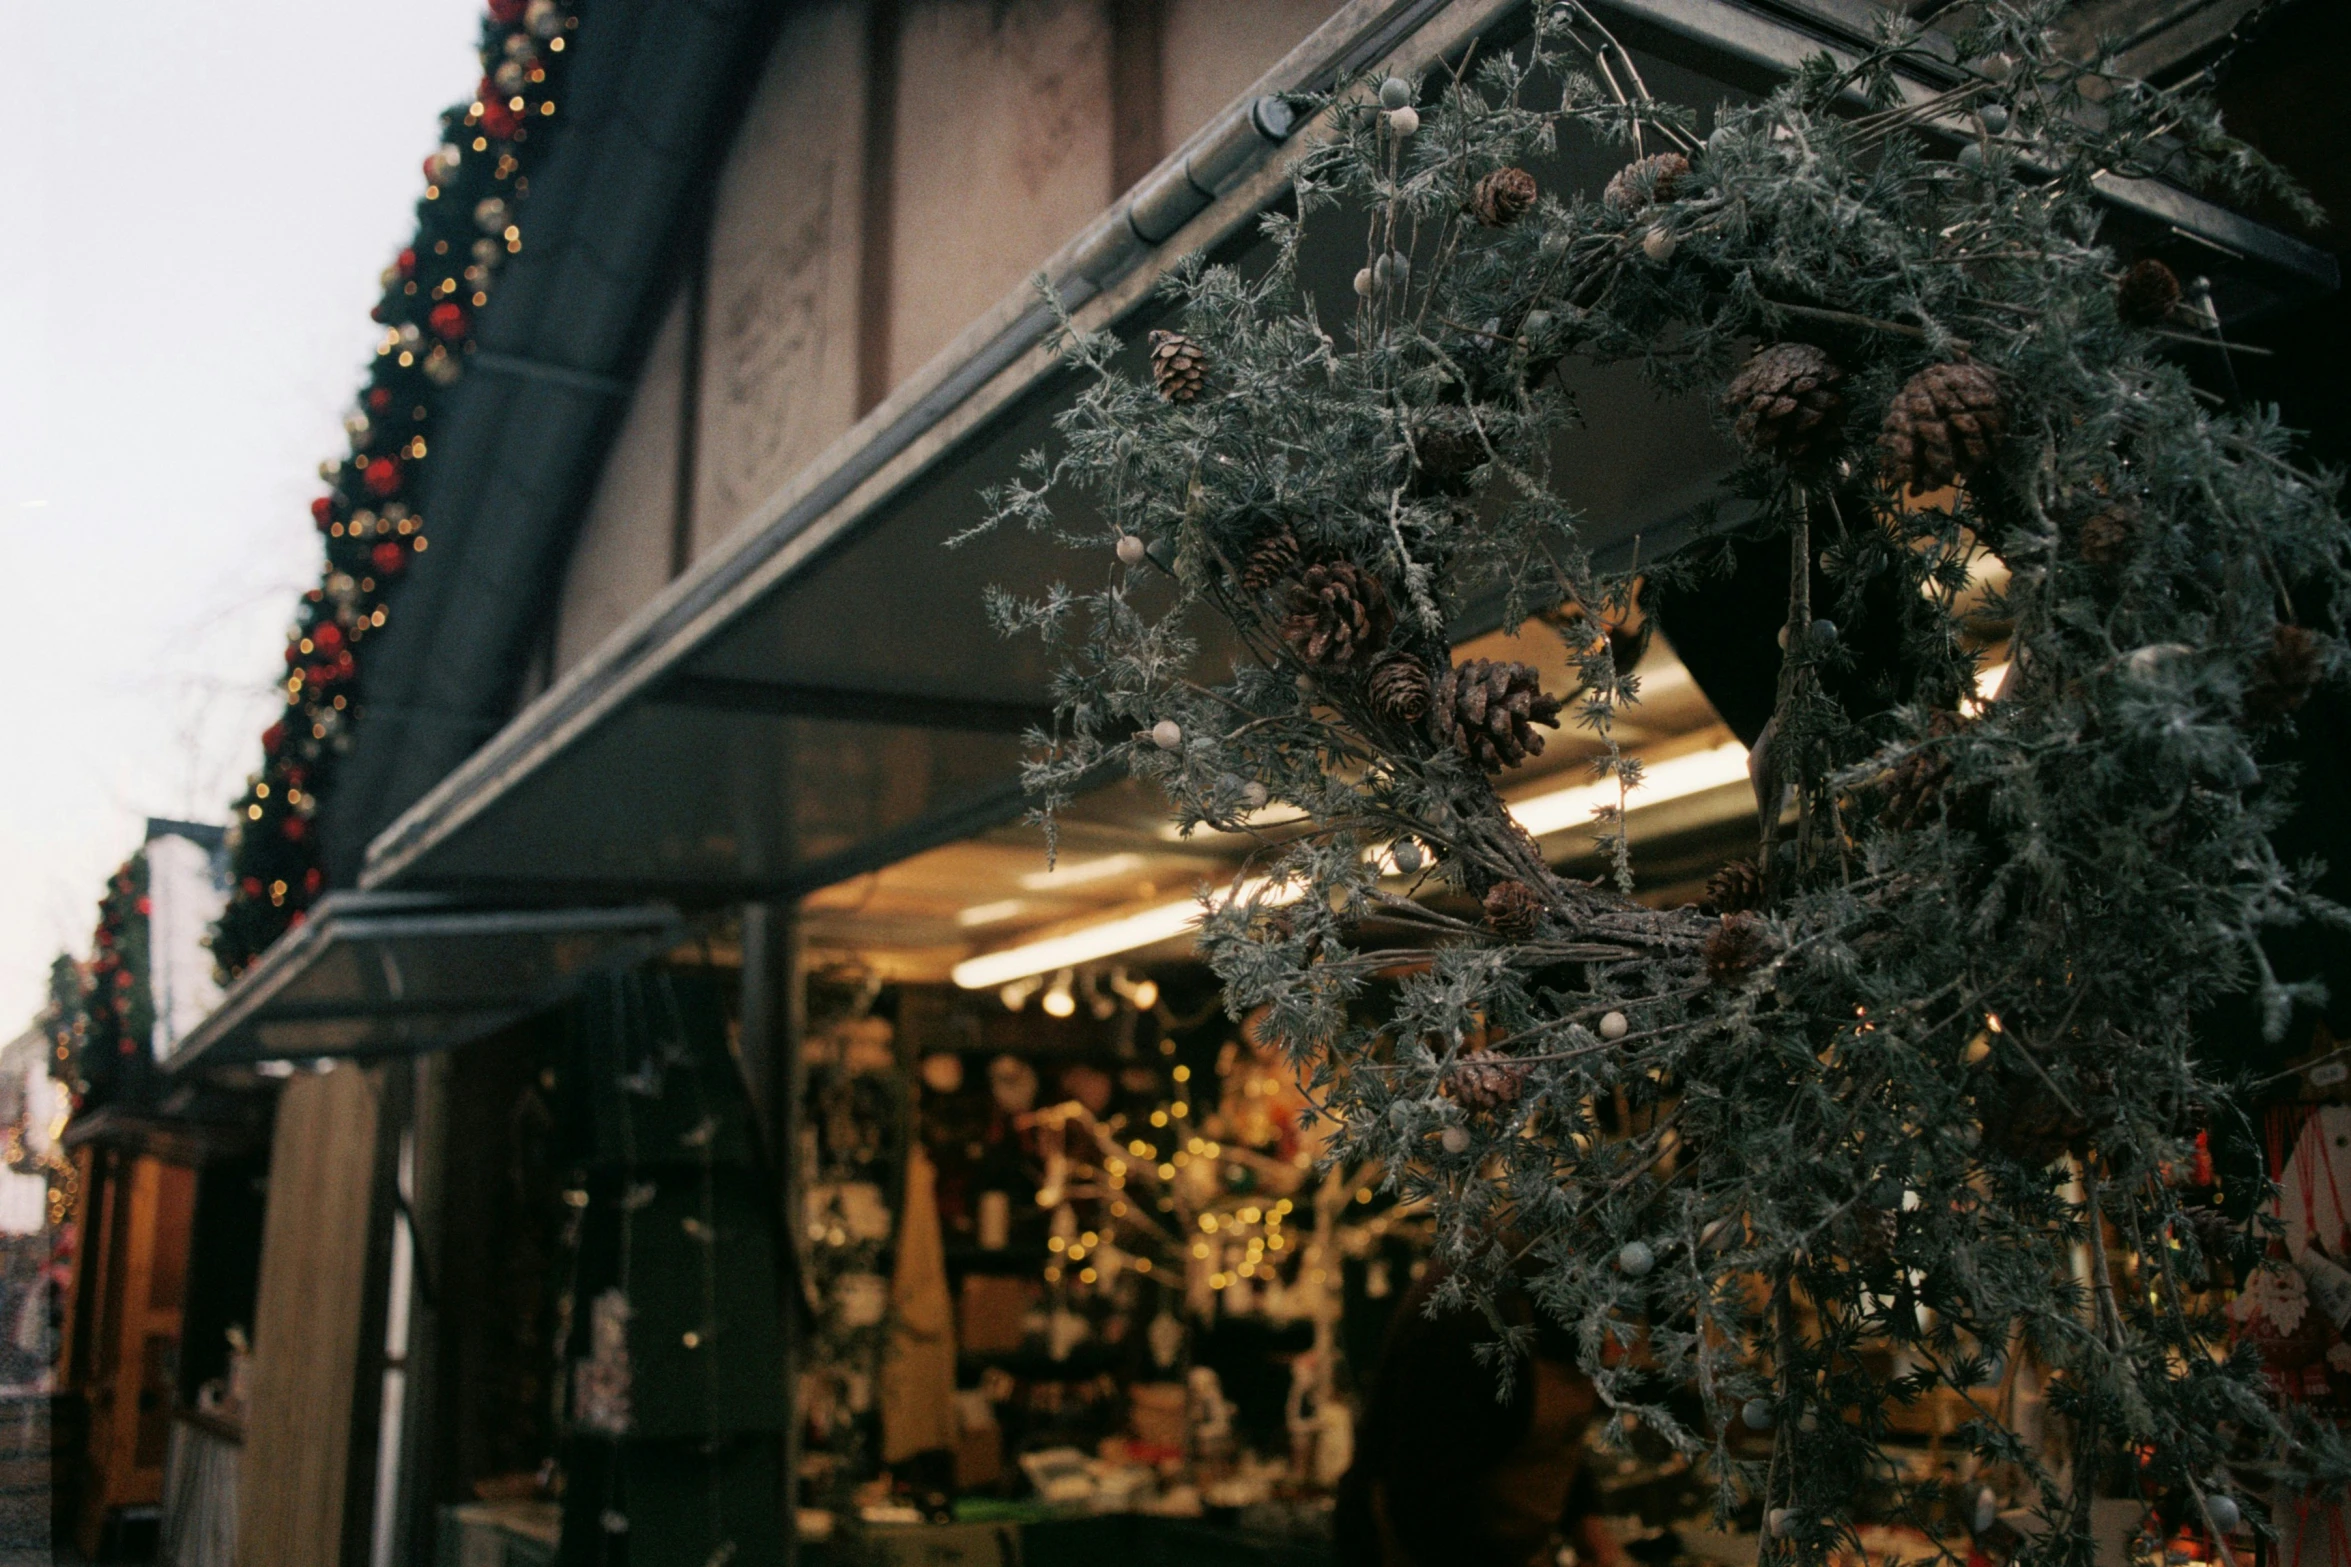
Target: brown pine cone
x=1785, y=402
x=1487, y=711
x=1736, y=888
x=2030, y=1124
x=1645, y=180
x=1739, y=946
x=1400, y=689
x=1513, y=910
x=2283, y=676
x=2107, y=535
x=1914, y=786
x=1339, y=615
x=1178, y=365
x=1446, y=455
x=1272, y=557
x=1486, y=1080
x=2147, y=293
x=1943, y=425
x=1502, y=198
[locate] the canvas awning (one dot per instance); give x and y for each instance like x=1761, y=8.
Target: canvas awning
x=380, y=974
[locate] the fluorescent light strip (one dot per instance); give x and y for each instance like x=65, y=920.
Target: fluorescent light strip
x=1163, y=922
x=1674, y=778
x=1077, y=874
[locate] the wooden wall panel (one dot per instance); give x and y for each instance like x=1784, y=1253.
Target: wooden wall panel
x=1214, y=50
x=779, y=344
x=306, y=1322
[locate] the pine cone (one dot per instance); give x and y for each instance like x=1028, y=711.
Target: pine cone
x=2283, y=676
x=1400, y=689
x=1487, y=711
x=1736, y=888
x=1645, y=180
x=2147, y=293
x=1178, y=365
x=2107, y=535
x=1486, y=1080
x=2028, y=1123
x=1739, y=946
x=1502, y=198
x=1943, y=426
x=1339, y=616
x=1273, y=557
x=1914, y=787
x=1785, y=401
x=1446, y=455
x=1513, y=910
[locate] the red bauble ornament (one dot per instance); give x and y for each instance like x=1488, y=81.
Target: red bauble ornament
x=447, y=321
x=295, y=829
x=327, y=637
x=313, y=879
x=497, y=119
x=406, y=260
x=382, y=477
x=272, y=738
x=322, y=512
x=145, y=906
x=293, y=653
x=388, y=557
x=379, y=398
x=250, y=886
x=508, y=12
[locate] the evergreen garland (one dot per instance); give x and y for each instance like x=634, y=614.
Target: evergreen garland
x=117, y=1006
x=466, y=227
x=1872, y=1120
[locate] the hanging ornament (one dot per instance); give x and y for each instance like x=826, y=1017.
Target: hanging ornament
x=1167, y=734
x=1406, y=855
x=382, y=477
x=1130, y=550
x=2224, y=1512
x=1659, y=243
x=1405, y=122
x=1635, y=1259
x=1739, y=946
x=1455, y=1139
x=447, y=319
x=1395, y=93
x=1486, y=1080
x=545, y=19
x=1614, y=1026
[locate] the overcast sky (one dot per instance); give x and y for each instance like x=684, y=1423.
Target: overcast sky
x=198, y=199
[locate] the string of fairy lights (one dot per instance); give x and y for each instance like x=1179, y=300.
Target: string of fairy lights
x=468, y=227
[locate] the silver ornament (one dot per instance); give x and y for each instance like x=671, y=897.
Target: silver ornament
x=1395, y=93
x=492, y=216
x=1253, y=795
x=1635, y=1259
x=1167, y=734
x=2224, y=1512
x=1987, y=1510
x=544, y=18
x=1782, y=1522
x=508, y=78
x=1406, y=853
x=1995, y=118
x=1756, y=1414
x=1365, y=282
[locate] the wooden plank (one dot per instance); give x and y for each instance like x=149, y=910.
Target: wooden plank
x=306, y=1319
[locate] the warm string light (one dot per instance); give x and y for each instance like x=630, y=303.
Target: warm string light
x=431, y=296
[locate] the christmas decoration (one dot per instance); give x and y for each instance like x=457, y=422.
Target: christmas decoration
x=2283, y=675
x=1943, y=425
x=1177, y=366
x=2106, y=535
x=1487, y=711
x=434, y=290
x=1273, y=557
x=1486, y=1080
x=1513, y=909
x=1646, y=180
x=1737, y=887
x=1131, y=551
x=1399, y=688
x=1849, y=1206
x=1502, y=197
x=2147, y=293
x=1785, y=402
x=1339, y=615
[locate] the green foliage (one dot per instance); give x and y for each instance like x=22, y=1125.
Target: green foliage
x=1864, y=1143
x=117, y=1005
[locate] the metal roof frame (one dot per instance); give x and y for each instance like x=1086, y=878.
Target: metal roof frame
x=1200, y=200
